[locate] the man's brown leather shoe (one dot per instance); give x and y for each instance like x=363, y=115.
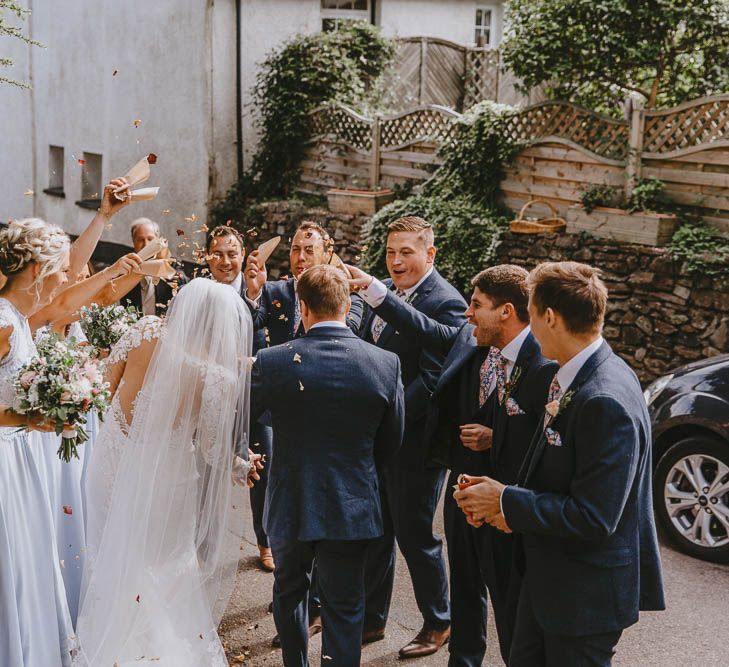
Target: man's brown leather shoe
x=426, y=642
x=375, y=635
x=314, y=629
x=266, y=559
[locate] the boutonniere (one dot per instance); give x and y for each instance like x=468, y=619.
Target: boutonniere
x=555, y=408
x=510, y=384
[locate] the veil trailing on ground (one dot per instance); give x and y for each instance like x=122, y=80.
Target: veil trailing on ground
x=167, y=558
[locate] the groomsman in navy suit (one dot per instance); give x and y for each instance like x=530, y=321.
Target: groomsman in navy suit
x=412, y=483
x=275, y=307
x=487, y=403
x=322, y=500
x=225, y=252
x=581, y=503
x=275, y=304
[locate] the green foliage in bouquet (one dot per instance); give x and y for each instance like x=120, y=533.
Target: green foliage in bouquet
x=308, y=71
x=103, y=326
x=596, y=53
x=62, y=384
x=460, y=200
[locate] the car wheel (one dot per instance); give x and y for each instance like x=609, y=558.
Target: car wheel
x=691, y=496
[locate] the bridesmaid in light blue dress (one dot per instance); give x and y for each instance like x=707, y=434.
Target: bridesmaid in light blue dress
x=35, y=625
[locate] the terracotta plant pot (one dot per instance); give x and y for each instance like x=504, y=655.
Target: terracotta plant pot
x=358, y=202
x=654, y=229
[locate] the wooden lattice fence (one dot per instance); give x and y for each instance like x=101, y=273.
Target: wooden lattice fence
x=436, y=71
x=567, y=149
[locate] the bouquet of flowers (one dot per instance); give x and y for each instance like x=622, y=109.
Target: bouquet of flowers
x=61, y=384
x=105, y=325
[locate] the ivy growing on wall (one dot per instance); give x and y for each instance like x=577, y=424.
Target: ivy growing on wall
x=460, y=200
x=309, y=70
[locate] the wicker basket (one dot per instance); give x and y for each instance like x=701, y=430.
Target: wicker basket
x=542, y=226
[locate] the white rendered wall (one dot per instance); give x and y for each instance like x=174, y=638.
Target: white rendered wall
x=265, y=25
x=164, y=52
x=453, y=20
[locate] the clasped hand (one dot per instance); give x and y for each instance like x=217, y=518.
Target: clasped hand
x=480, y=501
x=244, y=475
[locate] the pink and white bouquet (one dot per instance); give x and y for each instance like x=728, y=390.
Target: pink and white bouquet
x=105, y=325
x=63, y=383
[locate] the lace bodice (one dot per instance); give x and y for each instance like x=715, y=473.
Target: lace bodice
x=147, y=328
x=22, y=349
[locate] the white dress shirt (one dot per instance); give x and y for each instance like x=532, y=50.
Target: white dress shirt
x=237, y=282
x=376, y=291
x=329, y=323
x=566, y=374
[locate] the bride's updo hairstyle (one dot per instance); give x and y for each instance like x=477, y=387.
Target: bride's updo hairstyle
x=29, y=241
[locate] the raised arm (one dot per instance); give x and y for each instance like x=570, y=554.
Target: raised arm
x=76, y=296
x=437, y=336
x=84, y=246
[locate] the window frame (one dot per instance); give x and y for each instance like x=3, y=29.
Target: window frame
x=480, y=30
x=339, y=15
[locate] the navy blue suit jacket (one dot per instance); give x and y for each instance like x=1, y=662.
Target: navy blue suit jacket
x=277, y=312
x=513, y=433
x=584, y=508
x=421, y=367
x=457, y=346
x=337, y=413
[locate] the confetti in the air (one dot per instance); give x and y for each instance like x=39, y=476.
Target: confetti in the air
x=297, y=358
x=67, y=509
x=81, y=161
x=137, y=122
x=301, y=386
x=180, y=232
x=115, y=72
x=28, y=193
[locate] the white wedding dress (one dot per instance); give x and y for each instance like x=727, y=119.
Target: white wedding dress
x=35, y=626
x=163, y=535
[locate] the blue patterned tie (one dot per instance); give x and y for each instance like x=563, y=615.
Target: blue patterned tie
x=378, y=324
x=486, y=375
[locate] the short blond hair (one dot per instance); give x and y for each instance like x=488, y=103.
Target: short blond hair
x=573, y=290
x=324, y=289
x=413, y=223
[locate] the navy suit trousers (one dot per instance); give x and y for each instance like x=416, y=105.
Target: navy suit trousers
x=341, y=566
x=261, y=443
x=409, y=500
x=533, y=647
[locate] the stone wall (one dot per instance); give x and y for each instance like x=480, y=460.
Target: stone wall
x=659, y=316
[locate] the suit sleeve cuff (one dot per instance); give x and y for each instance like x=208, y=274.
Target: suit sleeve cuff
x=374, y=294
x=254, y=303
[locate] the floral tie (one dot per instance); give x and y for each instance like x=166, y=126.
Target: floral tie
x=486, y=375
x=501, y=362
x=378, y=324
x=555, y=394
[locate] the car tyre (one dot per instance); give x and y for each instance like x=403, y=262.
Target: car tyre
x=691, y=496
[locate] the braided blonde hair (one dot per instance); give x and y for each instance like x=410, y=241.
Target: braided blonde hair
x=32, y=240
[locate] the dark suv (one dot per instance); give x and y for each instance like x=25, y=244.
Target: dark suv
x=690, y=417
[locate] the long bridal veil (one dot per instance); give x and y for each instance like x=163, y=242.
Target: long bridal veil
x=168, y=554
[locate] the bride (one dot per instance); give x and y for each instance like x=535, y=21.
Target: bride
x=163, y=534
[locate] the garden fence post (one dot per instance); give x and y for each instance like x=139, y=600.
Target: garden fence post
x=375, y=163
x=422, y=93
x=634, y=164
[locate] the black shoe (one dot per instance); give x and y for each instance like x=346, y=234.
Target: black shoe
x=314, y=629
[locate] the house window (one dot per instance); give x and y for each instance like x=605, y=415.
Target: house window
x=55, y=172
x=90, y=181
x=484, y=26
x=335, y=13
